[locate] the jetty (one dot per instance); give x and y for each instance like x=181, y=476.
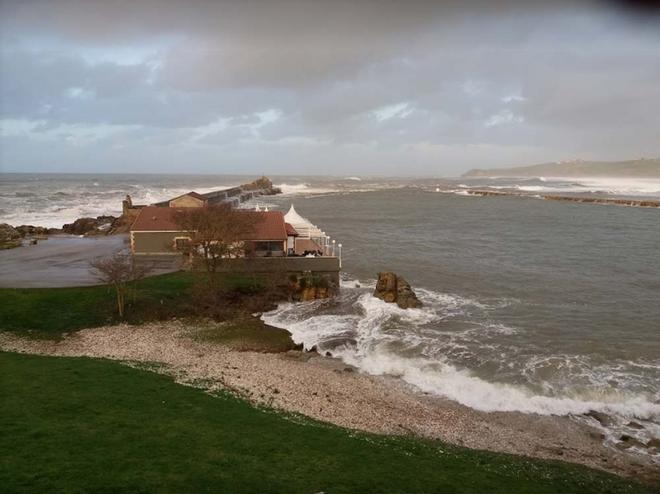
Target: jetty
x=638, y=203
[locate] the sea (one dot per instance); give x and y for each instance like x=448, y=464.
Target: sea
x=530, y=305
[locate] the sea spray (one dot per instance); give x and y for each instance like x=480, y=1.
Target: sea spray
x=382, y=339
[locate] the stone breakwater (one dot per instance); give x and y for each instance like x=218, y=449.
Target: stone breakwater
x=638, y=203
x=12, y=236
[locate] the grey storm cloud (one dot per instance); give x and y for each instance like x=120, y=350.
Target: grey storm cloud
x=369, y=87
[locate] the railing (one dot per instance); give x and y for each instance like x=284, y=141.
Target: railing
x=331, y=248
x=279, y=264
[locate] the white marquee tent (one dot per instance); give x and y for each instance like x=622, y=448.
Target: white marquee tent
x=303, y=226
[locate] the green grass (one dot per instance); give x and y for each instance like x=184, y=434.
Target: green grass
x=248, y=334
x=48, y=312
x=83, y=425
x=51, y=311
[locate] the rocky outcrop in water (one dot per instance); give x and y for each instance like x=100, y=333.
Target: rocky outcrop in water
x=89, y=226
x=36, y=231
x=394, y=289
x=262, y=185
x=306, y=287
x=9, y=237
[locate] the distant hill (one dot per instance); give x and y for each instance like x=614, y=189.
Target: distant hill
x=644, y=168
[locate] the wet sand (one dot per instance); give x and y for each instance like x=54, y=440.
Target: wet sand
x=328, y=390
x=59, y=261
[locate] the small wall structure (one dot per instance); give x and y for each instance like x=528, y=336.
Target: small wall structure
x=189, y=200
x=155, y=243
x=281, y=271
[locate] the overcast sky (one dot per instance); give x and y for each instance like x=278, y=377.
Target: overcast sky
x=316, y=87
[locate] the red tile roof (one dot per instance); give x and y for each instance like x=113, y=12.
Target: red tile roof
x=156, y=219
x=162, y=219
x=290, y=230
x=271, y=226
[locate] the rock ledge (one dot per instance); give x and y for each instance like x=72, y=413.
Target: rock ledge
x=394, y=289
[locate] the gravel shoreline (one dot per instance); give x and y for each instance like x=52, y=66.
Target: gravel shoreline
x=328, y=390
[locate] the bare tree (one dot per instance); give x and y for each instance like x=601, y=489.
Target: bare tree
x=217, y=232
x=118, y=270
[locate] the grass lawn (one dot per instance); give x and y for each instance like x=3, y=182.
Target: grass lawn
x=83, y=425
x=248, y=334
x=51, y=311
x=48, y=312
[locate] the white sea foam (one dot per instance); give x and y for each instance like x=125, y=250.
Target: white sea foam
x=365, y=338
x=595, y=185
x=643, y=187
x=306, y=189
x=621, y=186
x=465, y=388
x=303, y=189
x=85, y=200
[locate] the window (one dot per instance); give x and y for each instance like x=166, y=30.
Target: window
x=269, y=246
x=182, y=243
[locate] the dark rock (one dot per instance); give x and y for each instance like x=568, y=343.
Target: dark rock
x=598, y=436
x=30, y=230
x=394, y=289
x=89, y=226
x=261, y=186
x=629, y=442
x=635, y=425
x=9, y=237
x=80, y=227
x=601, y=417
x=653, y=443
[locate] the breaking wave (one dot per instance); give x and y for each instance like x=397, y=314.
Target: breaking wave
x=51, y=206
x=607, y=186
x=303, y=189
x=382, y=339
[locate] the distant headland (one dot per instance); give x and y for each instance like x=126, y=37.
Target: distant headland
x=640, y=168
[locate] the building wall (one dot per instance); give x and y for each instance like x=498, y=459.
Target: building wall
x=186, y=202
x=279, y=269
x=154, y=242
x=272, y=264
x=277, y=247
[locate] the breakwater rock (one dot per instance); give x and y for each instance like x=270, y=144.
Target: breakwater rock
x=309, y=286
x=264, y=186
x=394, y=289
x=89, y=226
x=9, y=237
x=638, y=203
x=36, y=231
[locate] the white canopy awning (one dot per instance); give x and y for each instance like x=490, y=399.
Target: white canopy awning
x=303, y=226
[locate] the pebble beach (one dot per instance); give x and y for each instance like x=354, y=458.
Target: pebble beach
x=328, y=390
